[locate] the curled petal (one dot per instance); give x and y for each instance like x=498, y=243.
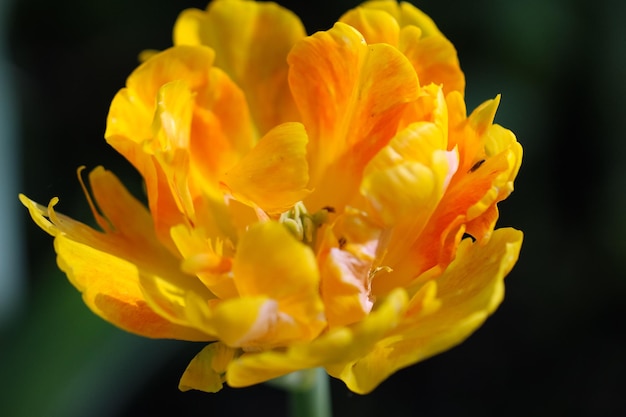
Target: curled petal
x=182, y=123
x=333, y=349
x=347, y=257
x=207, y=260
x=469, y=290
x=415, y=35
x=405, y=14
x=206, y=371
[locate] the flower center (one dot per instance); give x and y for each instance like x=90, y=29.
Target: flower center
x=304, y=225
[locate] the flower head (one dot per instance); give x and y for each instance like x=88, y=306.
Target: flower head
x=318, y=200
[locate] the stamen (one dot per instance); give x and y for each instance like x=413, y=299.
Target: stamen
x=102, y=221
x=302, y=224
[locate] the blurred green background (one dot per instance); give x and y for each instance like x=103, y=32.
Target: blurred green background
x=556, y=345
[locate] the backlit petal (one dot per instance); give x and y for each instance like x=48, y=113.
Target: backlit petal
x=274, y=175
x=336, y=73
x=251, y=41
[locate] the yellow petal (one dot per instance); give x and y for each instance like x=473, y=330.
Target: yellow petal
x=332, y=349
x=408, y=189
x=251, y=41
x=106, y=267
x=171, y=137
x=271, y=263
x=274, y=175
x=251, y=322
x=404, y=184
x=406, y=14
x=205, y=259
x=351, y=96
x=470, y=290
x=347, y=257
x=206, y=370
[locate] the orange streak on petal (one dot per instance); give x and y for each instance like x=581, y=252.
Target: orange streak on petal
x=351, y=96
x=108, y=267
x=251, y=40
x=444, y=312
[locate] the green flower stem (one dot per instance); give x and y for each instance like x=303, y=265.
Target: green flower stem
x=309, y=393
x=314, y=401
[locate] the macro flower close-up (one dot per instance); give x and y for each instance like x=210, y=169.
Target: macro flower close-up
x=311, y=201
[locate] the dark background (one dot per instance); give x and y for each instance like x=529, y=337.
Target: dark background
x=555, y=346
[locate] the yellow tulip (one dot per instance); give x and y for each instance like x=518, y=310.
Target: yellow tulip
x=313, y=201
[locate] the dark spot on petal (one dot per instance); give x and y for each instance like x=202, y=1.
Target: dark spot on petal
x=476, y=166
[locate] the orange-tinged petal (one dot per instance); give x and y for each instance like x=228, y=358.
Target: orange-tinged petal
x=274, y=175
x=415, y=35
x=182, y=123
x=334, y=241
x=220, y=114
x=376, y=26
x=251, y=40
x=206, y=370
x=270, y=262
x=489, y=159
x=404, y=185
x=468, y=133
x=188, y=63
x=114, y=293
x=222, y=128
x=470, y=290
x=434, y=59
x=351, y=96
x=107, y=267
